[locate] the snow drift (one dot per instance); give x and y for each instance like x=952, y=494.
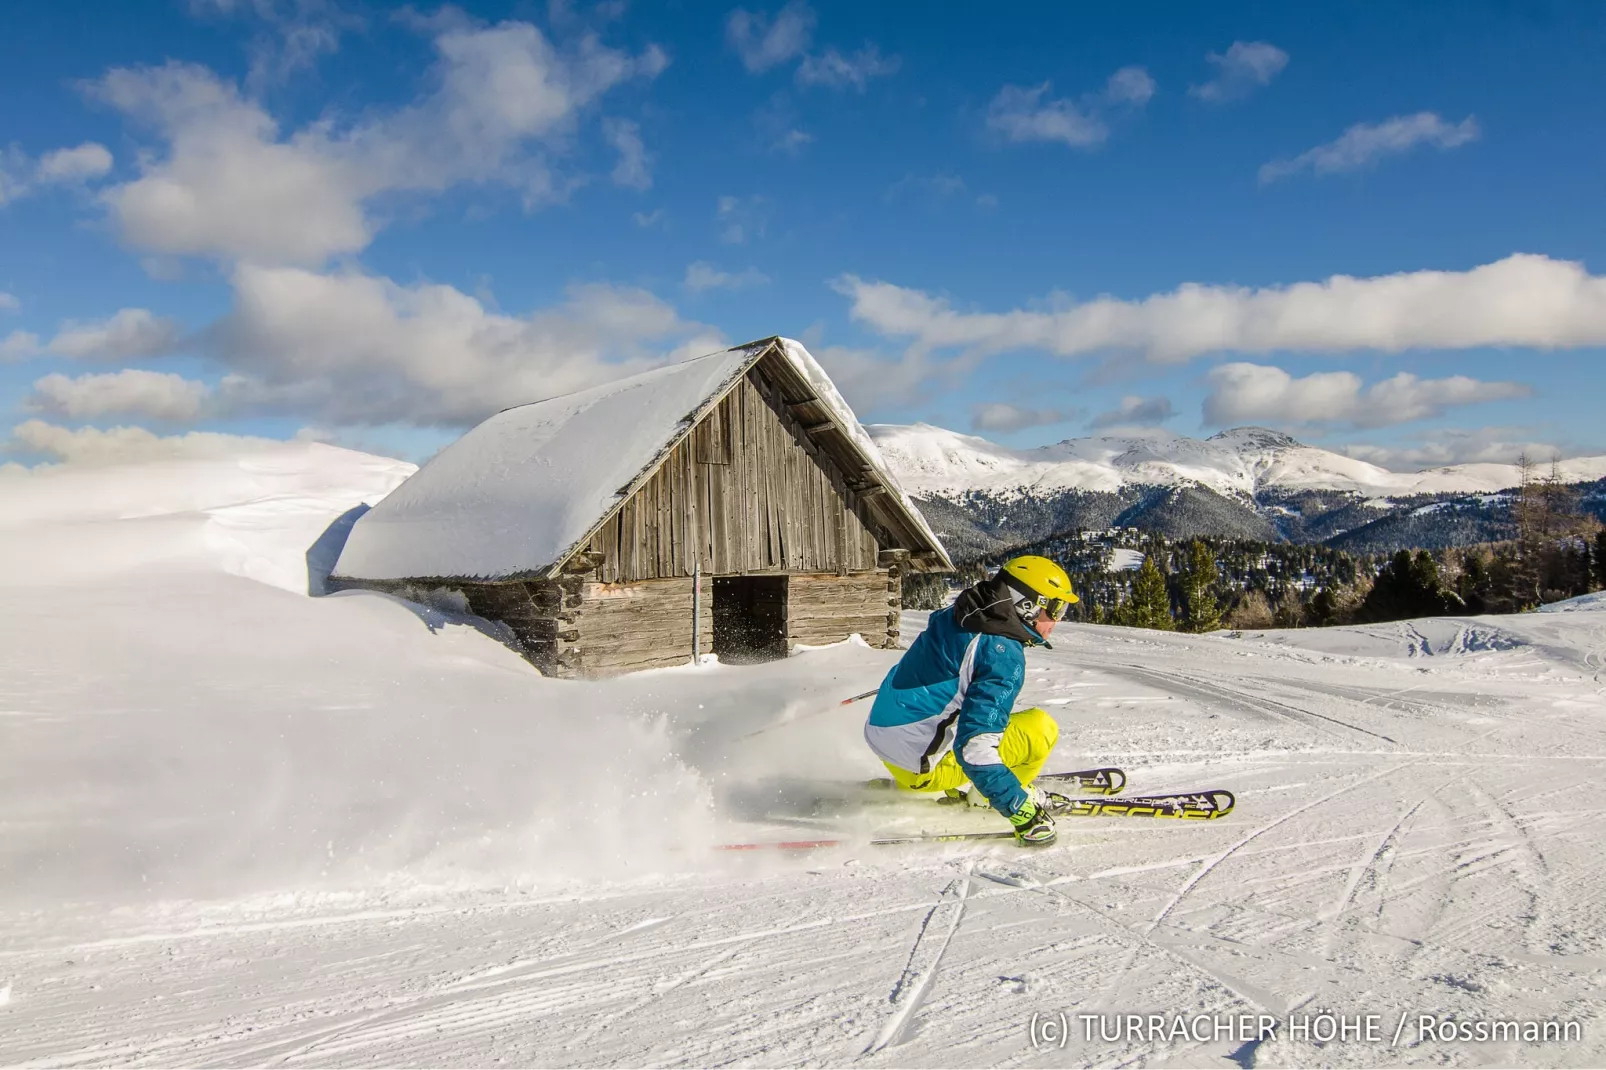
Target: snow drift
x=194, y=724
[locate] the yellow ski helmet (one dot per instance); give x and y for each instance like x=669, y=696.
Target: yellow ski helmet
x=1042, y=584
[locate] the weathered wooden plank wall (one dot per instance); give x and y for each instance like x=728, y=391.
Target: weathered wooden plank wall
x=628, y=626
x=746, y=492
x=574, y=626
x=827, y=608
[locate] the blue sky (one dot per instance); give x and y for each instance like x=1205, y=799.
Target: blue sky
x=377, y=225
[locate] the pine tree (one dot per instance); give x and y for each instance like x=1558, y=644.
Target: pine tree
x=1472, y=584
x=1150, y=605
x=1600, y=559
x=1323, y=609
x=1409, y=587
x=1198, y=590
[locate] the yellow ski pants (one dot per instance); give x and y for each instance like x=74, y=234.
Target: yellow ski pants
x=1026, y=743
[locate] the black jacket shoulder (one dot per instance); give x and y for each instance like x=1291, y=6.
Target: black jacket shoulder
x=989, y=608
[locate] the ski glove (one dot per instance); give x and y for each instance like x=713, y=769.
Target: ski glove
x=1033, y=825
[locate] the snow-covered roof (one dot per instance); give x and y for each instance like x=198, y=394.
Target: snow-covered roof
x=526, y=489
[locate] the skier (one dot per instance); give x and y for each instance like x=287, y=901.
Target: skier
x=942, y=716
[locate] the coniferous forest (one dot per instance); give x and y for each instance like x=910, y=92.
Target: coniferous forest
x=1134, y=577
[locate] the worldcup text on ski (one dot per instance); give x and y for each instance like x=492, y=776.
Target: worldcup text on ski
x=1056, y=1030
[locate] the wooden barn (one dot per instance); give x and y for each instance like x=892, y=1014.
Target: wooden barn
x=586, y=522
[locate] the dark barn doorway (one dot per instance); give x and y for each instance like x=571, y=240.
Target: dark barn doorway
x=749, y=618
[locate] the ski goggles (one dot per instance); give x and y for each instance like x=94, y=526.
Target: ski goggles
x=1056, y=608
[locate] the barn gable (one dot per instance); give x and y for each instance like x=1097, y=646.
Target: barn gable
x=592, y=513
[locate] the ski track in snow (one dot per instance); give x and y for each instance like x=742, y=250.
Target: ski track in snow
x=1417, y=828
x=924, y=959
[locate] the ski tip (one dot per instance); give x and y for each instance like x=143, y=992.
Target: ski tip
x=1223, y=808
x=1105, y=781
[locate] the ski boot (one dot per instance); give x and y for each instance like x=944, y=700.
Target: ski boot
x=1034, y=826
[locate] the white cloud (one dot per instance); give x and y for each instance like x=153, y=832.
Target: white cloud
x=19, y=345
x=1497, y=445
x=1002, y=416
x=632, y=169
x=1256, y=393
x=21, y=176
x=777, y=125
x=792, y=142
x=704, y=276
x=92, y=445
x=1135, y=411
x=229, y=184
x=937, y=187
x=158, y=395
x=1129, y=85
x=1366, y=143
x=86, y=161
x=1022, y=113
x=935, y=190
x=1246, y=67
x=293, y=35
x=837, y=71
x=9, y=302
x=741, y=218
x=349, y=348
x=763, y=42
x=14, y=166
x=130, y=334
x=869, y=378
x=1523, y=300
x=647, y=220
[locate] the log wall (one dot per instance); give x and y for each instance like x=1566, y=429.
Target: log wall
x=575, y=626
x=747, y=491
x=647, y=625
x=827, y=608
x=578, y=627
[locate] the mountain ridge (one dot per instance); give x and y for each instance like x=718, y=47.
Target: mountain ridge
x=1242, y=462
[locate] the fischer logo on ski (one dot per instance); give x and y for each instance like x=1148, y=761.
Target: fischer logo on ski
x=1196, y=806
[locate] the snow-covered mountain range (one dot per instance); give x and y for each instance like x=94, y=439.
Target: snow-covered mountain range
x=933, y=462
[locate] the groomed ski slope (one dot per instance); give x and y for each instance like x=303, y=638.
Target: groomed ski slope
x=241, y=826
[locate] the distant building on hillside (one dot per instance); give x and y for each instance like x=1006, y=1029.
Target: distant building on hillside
x=584, y=522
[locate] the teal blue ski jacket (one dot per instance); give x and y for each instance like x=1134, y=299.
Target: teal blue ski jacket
x=954, y=690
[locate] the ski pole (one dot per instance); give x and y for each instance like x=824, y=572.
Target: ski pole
x=811, y=713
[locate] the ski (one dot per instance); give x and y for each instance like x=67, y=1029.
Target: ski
x=1187, y=805
x=1106, y=781
x=1183, y=805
